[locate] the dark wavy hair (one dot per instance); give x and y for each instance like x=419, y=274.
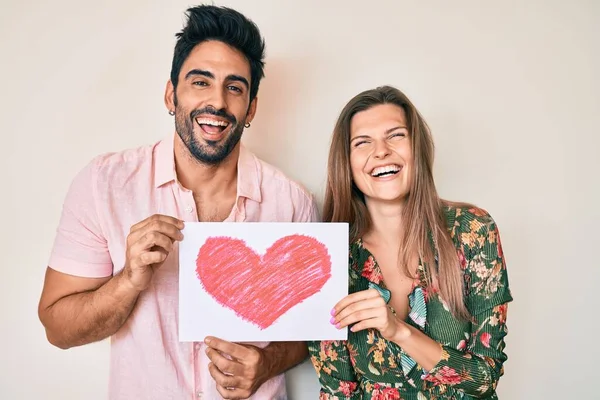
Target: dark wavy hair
x=208, y=22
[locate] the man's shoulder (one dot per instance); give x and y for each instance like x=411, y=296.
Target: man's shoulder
x=109, y=165
x=275, y=179
x=130, y=156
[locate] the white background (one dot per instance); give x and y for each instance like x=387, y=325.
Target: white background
x=200, y=315
x=510, y=89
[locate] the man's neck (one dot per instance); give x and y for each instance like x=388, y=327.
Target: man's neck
x=204, y=179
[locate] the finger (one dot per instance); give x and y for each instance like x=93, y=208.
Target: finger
x=166, y=228
x=229, y=367
x=158, y=217
x=371, y=323
x=362, y=315
x=149, y=242
x=222, y=379
x=237, y=351
x=353, y=298
x=149, y=258
x=233, y=393
x=226, y=393
x=375, y=302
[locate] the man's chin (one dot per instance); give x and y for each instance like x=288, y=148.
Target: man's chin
x=215, y=156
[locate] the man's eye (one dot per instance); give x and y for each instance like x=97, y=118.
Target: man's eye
x=235, y=89
x=200, y=83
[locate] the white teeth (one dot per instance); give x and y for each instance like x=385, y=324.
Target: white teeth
x=386, y=169
x=212, y=122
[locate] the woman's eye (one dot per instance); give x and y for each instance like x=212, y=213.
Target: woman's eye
x=398, y=135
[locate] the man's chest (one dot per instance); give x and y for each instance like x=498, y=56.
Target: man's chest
x=128, y=207
x=122, y=209
x=215, y=209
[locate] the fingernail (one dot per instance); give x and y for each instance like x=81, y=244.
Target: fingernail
x=333, y=311
x=332, y=320
x=338, y=325
x=207, y=341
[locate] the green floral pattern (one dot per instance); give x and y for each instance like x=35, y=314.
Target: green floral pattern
x=367, y=366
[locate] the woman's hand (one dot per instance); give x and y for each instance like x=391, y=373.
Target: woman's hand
x=367, y=309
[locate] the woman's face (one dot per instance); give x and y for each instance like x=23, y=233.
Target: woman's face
x=381, y=156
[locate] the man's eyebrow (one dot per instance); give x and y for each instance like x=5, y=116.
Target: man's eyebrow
x=201, y=72
x=239, y=78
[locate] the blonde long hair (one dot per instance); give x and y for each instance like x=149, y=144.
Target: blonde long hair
x=425, y=229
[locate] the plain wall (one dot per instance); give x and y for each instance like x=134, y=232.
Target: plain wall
x=510, y=90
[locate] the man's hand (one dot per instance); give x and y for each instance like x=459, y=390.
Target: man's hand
x=148, y=245
x=238, y=369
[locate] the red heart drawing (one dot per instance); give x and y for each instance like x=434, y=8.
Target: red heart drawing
x=261, y=289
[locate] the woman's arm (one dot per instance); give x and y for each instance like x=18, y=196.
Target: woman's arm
x=476, y=365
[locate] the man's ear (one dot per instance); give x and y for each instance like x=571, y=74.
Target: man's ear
x=252, y=110
x=170, y=96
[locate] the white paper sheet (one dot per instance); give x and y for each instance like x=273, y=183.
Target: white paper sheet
x=261, y=281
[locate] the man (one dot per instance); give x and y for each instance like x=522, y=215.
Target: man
x=113, y=271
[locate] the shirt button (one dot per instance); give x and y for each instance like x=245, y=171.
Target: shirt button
x=189, y=209
x=199, y=395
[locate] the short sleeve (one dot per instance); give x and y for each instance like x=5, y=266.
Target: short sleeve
x=80, y=248
x=308, y=211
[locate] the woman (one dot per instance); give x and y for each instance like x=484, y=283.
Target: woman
x=428, y=286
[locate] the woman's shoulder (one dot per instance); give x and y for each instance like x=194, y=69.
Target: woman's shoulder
x=469, y=225
x=466, y=217
x=481, y=256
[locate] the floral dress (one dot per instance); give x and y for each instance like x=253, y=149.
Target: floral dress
x=367, y=366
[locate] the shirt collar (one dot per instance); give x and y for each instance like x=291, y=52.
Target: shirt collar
x=249, y=169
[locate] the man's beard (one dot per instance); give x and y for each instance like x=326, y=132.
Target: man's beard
x=211, y=153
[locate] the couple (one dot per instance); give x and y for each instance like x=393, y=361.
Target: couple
x=426, y=311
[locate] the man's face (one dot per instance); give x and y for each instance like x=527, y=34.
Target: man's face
x=212, y=101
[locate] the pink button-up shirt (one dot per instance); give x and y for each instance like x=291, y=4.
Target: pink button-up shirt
x=114, y=192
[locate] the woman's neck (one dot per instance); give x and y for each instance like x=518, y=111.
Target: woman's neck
x=386, y=223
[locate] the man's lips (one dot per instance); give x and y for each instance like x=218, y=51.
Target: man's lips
x=212, y=125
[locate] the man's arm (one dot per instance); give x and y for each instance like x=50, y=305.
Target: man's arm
x=281, y=356
x=77, y=311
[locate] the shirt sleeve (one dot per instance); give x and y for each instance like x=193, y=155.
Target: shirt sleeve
x=309, y=211
x=331, y=360
x=477, y=364
x=80, y=248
